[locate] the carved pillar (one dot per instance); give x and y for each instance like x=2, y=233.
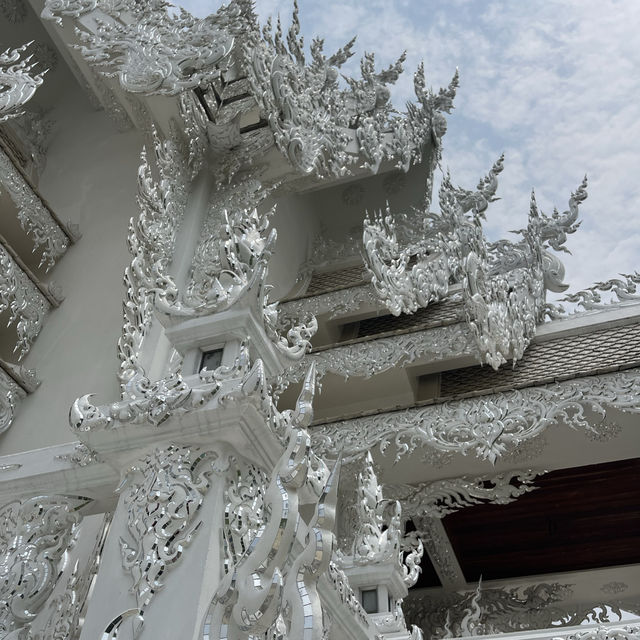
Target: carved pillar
x=196, y=528
x=162, y=557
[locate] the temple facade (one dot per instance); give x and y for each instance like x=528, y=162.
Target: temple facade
x=264, y=376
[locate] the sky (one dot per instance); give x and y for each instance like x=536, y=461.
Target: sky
x=553, y=84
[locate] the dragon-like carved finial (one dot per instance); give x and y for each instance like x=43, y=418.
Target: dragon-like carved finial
x=303, y=414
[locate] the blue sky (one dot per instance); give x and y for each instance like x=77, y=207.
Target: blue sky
x=553, y=84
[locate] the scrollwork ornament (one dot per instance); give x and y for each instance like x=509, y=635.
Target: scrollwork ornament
x=67, y=608
x=503, y=283
x=376, y=539
x=244, y=511
x=335, y=303
x=156, y=401
x=315, y=122
x=54, y=9
x=438, y=498
x=26, y=305
x=400, y=288
x=625, y=632
x=34, y=534
x=163, y=492
x=411, y=568
x=368, y=358
x=231, y=264
x=151, y=242
x=272, y=589
x=621, y=291
x=18, y=81
x=488, y=425
x=32, y=215
x=507, y=610
x=158, y=52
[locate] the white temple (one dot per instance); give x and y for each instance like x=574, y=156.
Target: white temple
x=323, y=405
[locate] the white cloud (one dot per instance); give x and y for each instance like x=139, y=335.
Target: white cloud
x=554, y=85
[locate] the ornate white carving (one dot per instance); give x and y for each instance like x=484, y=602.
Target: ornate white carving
x=436, y=245
x=378, y=536
x=26, y=304
x=400, y=288
x=504, y=309
x=503, y=610
x=225, y=268
x=163, y=494
x=314, y=120
x=34, y=534
x=621, y=291
x=81, y=456
x=67, y=608
x=11, y=394
x=244, y=511
x=18, y=81
x=471, y=622
x=156, y=403
x=152, y=51
x=336, y=303
x=231, y=262
x=53, y=9
x=315, y=123
x=377, y=539
x=368, y=358
x=33, y=216
x=391, y=621
x=412, y=567
x=503, y=283
x=234, y=248
x=438, y=498
x=273, y=586
x=151, y=244
x=489, y=425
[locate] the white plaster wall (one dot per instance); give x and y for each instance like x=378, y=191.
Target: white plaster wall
x=296, y=228
x=90, y=179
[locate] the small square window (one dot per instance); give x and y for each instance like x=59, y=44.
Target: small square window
x=370, y=600
x=211, y=360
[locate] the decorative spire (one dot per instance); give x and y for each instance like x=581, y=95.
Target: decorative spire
x=18, y=82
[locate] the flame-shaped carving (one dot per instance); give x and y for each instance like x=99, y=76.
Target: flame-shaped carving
x=273, y=584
